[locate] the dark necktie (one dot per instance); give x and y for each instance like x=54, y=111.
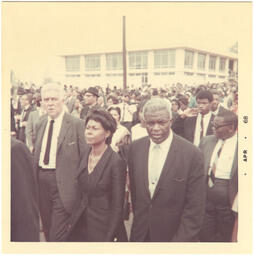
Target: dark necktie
x=202, y=127
x=47, y=152
x=214, y=165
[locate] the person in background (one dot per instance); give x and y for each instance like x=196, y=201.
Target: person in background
x=167, y=181
x=32, y=122
x=175, y=108
x=98, y=217
x=91, y=96
x=221, y=167
x=77, y=108
x=216, y=107
x=24, y=196
x=26, y=101
x=122, y=135
x=139, y=130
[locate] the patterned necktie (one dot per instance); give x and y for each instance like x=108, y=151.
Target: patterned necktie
x=47, y=152
x=212, y=170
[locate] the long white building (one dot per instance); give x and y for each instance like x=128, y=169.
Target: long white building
x=158, y=67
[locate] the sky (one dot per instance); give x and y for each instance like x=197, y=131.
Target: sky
x=34, y=35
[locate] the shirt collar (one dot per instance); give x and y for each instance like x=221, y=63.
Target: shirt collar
x=166, y=143
x=59, y=118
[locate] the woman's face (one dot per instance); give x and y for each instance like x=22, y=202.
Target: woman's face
x=115, y=115
x=95, y=134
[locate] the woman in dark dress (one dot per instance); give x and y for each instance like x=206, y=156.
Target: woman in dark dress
x=102, y=179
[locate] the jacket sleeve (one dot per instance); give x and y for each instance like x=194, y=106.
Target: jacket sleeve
x=29, y=131
x=118, y=192
x=194, y=209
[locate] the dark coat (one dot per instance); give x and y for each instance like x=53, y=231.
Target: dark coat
x=21, y=131
x=175, y=212
x=207, y=146
x=190, y=126
x=102, y=199
x=24, y=197
x=70, y=148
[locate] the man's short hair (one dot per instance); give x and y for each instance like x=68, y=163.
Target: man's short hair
x=205, y=94
x=155, y=104
x=53, y=87
x=229, y=117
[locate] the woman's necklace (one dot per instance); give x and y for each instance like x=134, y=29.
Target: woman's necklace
x=93, y=160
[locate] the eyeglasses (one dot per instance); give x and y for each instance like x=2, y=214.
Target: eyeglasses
x=216, y=126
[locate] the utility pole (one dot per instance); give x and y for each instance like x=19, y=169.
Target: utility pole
x=124, y=57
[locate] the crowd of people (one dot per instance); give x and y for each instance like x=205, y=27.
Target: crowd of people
x=91, y=157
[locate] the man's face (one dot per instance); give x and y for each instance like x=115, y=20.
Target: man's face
x=221, y=129
x=204, y=106
x=90, y=99
x=24, y=101
x=215, y=102
x=158, y=125
x=53, y=103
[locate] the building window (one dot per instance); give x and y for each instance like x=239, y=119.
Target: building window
x=201, y=74
x=92, y=75
x=201, y=61
x=211, y=75
x=188, y=73
x=92, y=63
x=72, y=76
x=212, y=62
x=138, y=60
x=72, y=63
x=222, y=77
x=164, y=59
x=222, y=64
x=188, y=59
x=114, y=61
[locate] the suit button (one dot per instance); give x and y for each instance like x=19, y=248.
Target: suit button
x=69, y=226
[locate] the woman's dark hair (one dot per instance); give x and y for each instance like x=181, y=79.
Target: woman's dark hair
x=105, y=119
x=177, y=102
x=117, y=109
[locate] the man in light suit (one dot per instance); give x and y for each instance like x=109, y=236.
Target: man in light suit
x=167, y=181
x=59, y=146
x=221, y=167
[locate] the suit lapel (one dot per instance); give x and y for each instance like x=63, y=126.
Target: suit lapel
x=39, y=136
x=209, y=130
x=169, y=165
x=64, y=128
x=235, y=162
x=101, y=166
x=144, y=165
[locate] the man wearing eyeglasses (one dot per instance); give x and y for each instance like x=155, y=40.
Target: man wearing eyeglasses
x=221, y=166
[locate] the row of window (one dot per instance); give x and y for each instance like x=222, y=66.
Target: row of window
x=139, y=60
x=201, y=62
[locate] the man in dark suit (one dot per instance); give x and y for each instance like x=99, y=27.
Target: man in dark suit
x=91, y=97
x=24, y=197
x=167, y=181
x=26, y=103
x=199, y=121
x=59, y=146
x=216, y=107
x=221, y=166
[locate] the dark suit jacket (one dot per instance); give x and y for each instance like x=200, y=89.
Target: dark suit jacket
x=176, y=210
x=30, y=129
x=86, y=109
x=24, y=198
x=207, y=146
x=190, y=126
x=70, y=147
x=102, y=199
x=21, y=132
